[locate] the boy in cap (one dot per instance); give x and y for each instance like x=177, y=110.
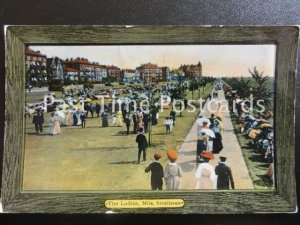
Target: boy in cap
x=157, y=173
x=224, y=175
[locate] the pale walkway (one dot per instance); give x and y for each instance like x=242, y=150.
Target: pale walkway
x=232, y=150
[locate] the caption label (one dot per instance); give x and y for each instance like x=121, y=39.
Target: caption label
x=144, y=203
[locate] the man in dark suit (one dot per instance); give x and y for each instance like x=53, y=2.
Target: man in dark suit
x=142, y=144
x=224, y=175
x=38, y=120
x=173, y=116
x=127, y=122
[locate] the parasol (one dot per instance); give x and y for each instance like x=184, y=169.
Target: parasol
x=208, y=132
x=203, y=119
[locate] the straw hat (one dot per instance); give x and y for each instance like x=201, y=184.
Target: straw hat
x=172, y=154
x=207, y=155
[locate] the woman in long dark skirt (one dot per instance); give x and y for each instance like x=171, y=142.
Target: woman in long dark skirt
x=201, y=145
x=153, y=116
x=104, y=117
x=217, y=141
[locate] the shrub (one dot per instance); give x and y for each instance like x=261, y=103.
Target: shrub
x=88, y=85
x=56, y=85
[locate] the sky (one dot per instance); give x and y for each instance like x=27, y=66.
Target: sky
x=216, y=60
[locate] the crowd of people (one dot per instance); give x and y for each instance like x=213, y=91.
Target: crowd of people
x=209, y=136
x=255, y=126
x=209, y=142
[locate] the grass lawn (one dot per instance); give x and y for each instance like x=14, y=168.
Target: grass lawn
x=255, y=162
x=95, y=158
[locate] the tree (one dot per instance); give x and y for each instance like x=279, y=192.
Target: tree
x=193, y=86
x=260, y=89
x=244, y=88
x=179, y=91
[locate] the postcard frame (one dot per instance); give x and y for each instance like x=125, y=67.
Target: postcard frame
x=282, y=199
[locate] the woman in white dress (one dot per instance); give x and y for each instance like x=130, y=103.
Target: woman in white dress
x=69, y=118
x=54, y=124
x=205, y=174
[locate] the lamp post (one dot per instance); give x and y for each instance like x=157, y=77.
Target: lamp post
x=200, y=84
x=180, y=77
x=150, y=114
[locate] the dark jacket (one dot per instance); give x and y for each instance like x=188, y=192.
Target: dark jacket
x=127, y=122
x=224, y=176
x=173, y=114
x=142, y=141
x=38, y=119
x=157, y=173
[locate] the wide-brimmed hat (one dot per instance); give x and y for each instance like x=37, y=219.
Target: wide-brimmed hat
x=172, y=154
x=270, y=113
x=207, y=155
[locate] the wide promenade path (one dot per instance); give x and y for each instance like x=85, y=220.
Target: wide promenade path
x=232, y=150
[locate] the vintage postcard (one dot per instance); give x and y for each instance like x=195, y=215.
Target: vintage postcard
x=149, y=117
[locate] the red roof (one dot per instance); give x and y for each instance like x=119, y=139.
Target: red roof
x=29, y=51
x=112, y=67
x=68, y=69
x=129, y=71
x=148, y=66
x=79, y=61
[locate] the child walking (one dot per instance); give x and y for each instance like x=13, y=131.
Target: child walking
x=157, y=173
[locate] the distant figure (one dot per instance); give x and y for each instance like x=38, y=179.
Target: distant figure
x=167, y=124
x=224, y=175
x=69, y=117
x=97, y=109
x=104, y=118
x=140, y=120
x=75, y=120
x=127, y=122
x=157, y=173
x=185, y=101
x=114, y=120
x=142, y=144
x=217, y=128
x=119, y=119
x=201, y=145
x=124, y=112
x=92, y=109
x=135, y=122
x=173, y=172
x=211, y=120
x=173, y=116
x=54, y=124
x=154, y=116
x=146, y=122
x=38, y=120
x=83, y=119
